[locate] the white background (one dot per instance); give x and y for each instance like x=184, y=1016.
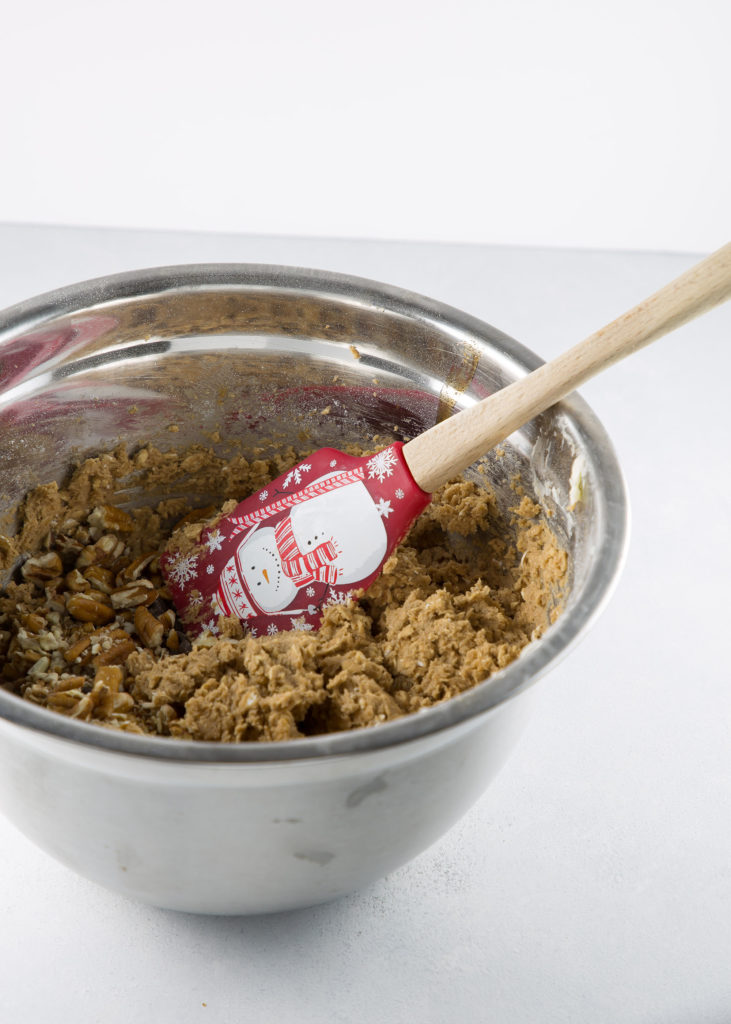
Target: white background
x=519, y=122
x=591, y=884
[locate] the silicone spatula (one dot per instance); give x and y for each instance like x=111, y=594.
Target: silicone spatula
x=320, y=533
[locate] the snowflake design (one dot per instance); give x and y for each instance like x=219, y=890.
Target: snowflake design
x=263, y=495
x=214, y=540
x=384, y=508
x=272, y=629
x=252, y=630
x=311, y=609
x=382, y=465
x=195, y=600
x=211, y=626
x=399, y=493
x=333, y=463
x=300, y=625
x=339, y=597
x=310, y=591
x=210, y=570
x=296, y=474
x=182, y=569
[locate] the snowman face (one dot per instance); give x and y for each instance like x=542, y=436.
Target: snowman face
x=348, y=518
x=261, y=570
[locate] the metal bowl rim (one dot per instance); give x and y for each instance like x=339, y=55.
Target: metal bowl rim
x=534, y=661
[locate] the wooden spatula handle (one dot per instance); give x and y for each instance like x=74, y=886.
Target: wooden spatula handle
x=451, y=446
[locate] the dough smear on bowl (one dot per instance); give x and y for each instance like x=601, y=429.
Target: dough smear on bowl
x=87, y=628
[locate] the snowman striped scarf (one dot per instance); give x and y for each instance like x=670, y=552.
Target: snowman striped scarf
x=314, y=566
x=255, y=516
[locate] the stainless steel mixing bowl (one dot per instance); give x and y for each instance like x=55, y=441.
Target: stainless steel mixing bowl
x=257, y=351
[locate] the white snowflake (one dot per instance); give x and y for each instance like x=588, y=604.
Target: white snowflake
x=263, y=495
x=333, y=462
x=182, y=569
x=300, y=626
x=210, y=570
x=311, y=609
x=214, y=540
x=195, y=600
x=272, y=629
x=296, y=474
x=252, y=630
x=211, y=626
x=399, y=493
x=382, y=464
x=339, y=597
x=310, y=591
x=384, y=508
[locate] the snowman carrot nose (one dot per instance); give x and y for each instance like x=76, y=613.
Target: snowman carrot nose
x=265, y=574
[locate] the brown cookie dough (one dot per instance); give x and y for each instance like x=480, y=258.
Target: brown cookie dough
x=87, y=627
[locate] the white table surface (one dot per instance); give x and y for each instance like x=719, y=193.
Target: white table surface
x=592, y=881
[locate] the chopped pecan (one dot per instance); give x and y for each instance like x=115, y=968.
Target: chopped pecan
x=109, y=517
x=67, y=682
x=134, y=570
x=42, y=568
x=111, y=675
x=63, y=700
x=100, y=578
x=85, y=608
x=39, y=667
x=116, y=655
x=77, y=649
x=132, y=595
x=76, y=582
x=104, y=551
x=33, y=622
x=149, y=629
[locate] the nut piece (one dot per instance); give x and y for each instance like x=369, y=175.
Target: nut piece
x=39, y=667
x=64, y=700
x=76, y=650
x=108, y=517
x=167, y=618
x=86, y=609
x=33, y=622
x=150, y=629
x=67, y=682
x=116, y=655
x=111, y=676
x=106, y=549
x=87, y=556
x=123, y=702
x=135, y=569
x=75, y=581
x=68, y=548
x=100, y=578
x=42, y=568
x=196, y=515
x=131, y=595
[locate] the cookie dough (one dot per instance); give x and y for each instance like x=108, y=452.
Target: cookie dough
x=87, y=628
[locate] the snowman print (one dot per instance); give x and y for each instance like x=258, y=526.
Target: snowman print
x=334, y=538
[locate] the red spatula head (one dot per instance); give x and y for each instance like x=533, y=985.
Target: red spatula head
x=314, y=536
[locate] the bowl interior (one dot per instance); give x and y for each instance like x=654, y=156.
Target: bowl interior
x=249, y=357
